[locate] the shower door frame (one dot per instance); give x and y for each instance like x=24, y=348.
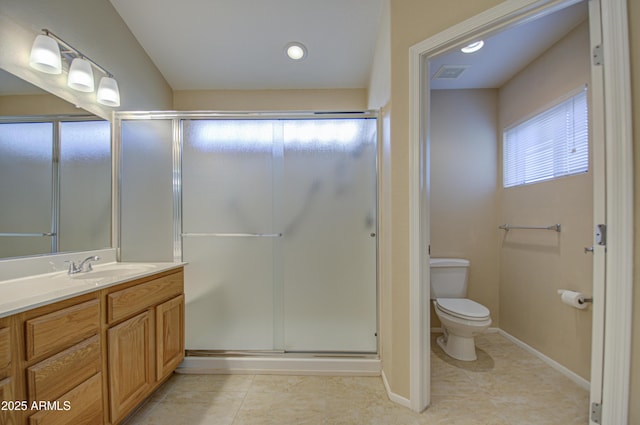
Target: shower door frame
x=176, y=118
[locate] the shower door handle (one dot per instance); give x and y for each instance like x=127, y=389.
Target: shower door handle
x=27, y=234
x=234, y=235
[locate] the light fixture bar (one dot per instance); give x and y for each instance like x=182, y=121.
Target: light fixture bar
x=72, y=49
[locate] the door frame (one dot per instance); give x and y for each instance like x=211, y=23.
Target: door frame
x=618, y=143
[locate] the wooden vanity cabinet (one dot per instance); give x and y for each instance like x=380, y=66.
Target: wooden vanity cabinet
x=94, y=358
x=145, y=338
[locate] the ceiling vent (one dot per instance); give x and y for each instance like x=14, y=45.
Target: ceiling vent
x=449, y=72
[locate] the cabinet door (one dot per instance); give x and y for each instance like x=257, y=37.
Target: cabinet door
x=169, y=336
x=130, y=364
x=7, y=416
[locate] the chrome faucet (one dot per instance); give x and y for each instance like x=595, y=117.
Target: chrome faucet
x=83, y=267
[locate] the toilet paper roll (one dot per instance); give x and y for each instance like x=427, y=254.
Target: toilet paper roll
x=572, y=298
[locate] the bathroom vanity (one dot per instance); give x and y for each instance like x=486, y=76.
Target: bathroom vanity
x=92, y=355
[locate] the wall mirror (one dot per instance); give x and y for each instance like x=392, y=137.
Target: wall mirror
x=55, y=173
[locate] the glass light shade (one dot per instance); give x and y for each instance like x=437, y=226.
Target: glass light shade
x=108, y=93
x=81, y=75
x=45, y=55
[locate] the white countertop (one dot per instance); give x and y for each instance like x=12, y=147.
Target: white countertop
x=17, y=295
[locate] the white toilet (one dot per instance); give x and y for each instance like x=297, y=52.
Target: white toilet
x=461, y=318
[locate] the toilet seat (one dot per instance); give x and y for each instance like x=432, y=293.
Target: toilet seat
x=463, y=308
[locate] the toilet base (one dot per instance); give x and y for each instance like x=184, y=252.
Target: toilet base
x=458, y=347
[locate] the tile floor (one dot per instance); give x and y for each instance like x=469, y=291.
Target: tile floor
x=505, y=386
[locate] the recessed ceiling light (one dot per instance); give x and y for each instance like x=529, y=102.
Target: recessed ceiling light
x=295, y=51
x=473, y=47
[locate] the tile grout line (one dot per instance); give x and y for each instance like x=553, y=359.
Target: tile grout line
x=246, y=392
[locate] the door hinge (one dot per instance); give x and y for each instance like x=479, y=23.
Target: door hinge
x=596, y=413
x=601, y=234
x=598, y=59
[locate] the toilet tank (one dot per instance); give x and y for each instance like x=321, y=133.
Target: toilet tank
x=449, y=277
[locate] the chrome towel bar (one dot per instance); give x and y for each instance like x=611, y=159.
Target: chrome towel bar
x=507, y=227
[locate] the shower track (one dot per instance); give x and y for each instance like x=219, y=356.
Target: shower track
x=227, y=362
x=278, y=354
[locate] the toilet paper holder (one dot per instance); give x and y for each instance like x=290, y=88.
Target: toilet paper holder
x=576, y=299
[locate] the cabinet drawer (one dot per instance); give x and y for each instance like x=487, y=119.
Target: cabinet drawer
x=58, y=374
x=61, y=329
x=130, y=301
x=5, y=352
x=80, y=406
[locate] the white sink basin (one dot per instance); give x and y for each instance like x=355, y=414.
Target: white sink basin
x=115, y=270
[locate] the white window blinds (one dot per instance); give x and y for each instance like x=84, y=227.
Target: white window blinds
x=551, y=144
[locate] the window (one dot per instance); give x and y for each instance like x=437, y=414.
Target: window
x=551, y=144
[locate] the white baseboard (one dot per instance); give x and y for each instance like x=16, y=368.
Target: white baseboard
x=583, y=383
x=393, y=396
x=281, y=365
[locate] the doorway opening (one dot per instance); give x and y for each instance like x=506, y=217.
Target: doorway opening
x=484, y=25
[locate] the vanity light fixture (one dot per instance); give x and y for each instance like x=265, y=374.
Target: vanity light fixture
x=295, y=50
x=47, y=53
x=473, y=47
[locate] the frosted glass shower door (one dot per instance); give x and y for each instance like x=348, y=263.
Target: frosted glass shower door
x=228, y=234
x=328, y=219
x=279, y=230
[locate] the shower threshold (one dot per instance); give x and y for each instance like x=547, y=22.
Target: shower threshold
x=280, y=362
x=278, y=353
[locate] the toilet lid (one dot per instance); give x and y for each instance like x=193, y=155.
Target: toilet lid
x=463, y=308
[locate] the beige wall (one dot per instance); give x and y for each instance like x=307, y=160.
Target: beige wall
x=385, y=254
x=94, y=28
x=634, y=29
x=270, y=100
x=379, y=91
x=36, y=104
x=411, y=22
x=464, y=201
x=535, y=264
x=379, y=94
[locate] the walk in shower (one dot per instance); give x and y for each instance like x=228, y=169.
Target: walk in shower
x=275, y=215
